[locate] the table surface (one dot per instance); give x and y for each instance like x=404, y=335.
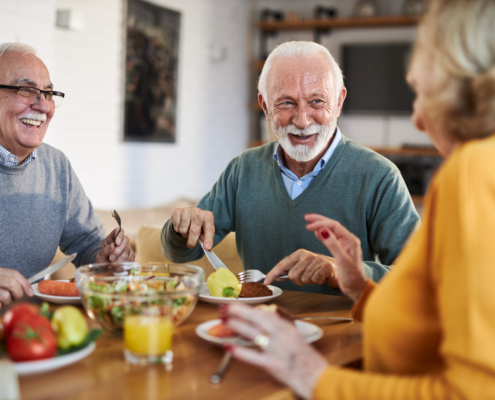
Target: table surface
x=105, y=375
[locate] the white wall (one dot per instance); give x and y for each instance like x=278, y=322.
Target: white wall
x=212, y=112
x=30, y=21
x=366, y=129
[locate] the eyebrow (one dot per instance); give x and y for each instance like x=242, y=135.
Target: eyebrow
x=29, y=82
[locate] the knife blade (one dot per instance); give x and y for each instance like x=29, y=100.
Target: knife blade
x=52, y=268
x=212, y=257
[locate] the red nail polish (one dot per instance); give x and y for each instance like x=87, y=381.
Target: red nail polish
x=224, y=319
x=228, y=347
x=325, y=234
x=223, y=308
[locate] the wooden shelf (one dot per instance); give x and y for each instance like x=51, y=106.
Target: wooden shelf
x=336, y=23
x=407, y=151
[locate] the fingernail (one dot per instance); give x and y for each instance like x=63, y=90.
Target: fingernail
x=112, y=258
x=325, y=234
x=228, y=347
x=224, y=319
x=30, y=292
x=223, y=308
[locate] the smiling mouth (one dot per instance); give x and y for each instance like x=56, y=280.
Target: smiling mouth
x=31, y=122
x=302, y=137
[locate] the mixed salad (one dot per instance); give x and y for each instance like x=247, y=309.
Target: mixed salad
x=107, y=299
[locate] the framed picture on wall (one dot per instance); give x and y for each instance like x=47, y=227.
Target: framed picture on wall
x=151, y=62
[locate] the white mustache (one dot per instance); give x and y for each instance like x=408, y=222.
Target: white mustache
x=35, y=116
x=308, y=131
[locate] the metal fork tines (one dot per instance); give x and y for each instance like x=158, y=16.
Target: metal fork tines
x=117, y=218
x=255, y=275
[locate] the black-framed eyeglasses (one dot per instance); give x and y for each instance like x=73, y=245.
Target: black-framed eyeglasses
x=31, y=95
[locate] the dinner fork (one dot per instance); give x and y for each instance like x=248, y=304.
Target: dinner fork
x=117, y=218
x=255, y=275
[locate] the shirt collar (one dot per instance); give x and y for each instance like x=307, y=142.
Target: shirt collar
x=10, y=160
x=278, y=154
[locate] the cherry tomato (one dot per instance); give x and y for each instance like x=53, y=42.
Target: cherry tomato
x=20, y=312
x=27, y=343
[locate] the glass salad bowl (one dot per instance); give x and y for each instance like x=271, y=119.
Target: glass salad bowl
x=108, y=289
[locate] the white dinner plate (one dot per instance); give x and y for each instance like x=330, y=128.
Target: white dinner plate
x=56, y=299
x=204, y=295
x=310, y=332
x=36, y=367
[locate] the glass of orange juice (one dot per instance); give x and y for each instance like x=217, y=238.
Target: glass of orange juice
x=148, y=330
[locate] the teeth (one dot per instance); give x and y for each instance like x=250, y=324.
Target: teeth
x=31, y=121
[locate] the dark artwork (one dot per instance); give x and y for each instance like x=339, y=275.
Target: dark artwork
x=151, y=73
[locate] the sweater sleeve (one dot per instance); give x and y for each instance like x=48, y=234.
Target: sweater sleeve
x=459, y=224
x=221, y=201
x=83, y=230
x=392, y=218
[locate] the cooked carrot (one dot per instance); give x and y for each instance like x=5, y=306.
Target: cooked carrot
x=58, y=288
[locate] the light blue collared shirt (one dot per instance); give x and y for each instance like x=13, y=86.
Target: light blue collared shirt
x=295, y=186
x=10, y=160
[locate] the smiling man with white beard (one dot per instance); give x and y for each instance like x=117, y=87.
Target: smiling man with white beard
x=42, y=204
x=264, y=194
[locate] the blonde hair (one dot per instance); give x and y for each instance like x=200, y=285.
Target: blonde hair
x=299, y=49
x=458, y=38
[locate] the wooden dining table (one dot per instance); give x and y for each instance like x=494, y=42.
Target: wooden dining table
x=105, y=375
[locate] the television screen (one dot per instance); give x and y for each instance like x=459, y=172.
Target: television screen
x=374, y=75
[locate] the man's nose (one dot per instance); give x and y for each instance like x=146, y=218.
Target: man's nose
x=302, y=118
x=42, y=104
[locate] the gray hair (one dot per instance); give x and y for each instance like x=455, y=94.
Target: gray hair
x=17, y=47
x=301, y=49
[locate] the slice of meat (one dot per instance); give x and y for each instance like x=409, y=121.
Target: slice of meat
x=255, y=289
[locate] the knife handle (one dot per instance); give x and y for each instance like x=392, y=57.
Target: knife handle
x=219, y=373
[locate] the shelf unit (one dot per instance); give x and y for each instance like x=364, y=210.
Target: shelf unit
x=336, y=23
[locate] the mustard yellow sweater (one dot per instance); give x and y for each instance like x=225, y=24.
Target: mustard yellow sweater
x=429, y=327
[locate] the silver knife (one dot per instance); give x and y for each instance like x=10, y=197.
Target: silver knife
x=212, y=257
x=52, y=268
x=342, y=319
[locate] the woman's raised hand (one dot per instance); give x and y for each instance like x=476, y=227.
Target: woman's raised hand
x=345, y=248
x=282, y=350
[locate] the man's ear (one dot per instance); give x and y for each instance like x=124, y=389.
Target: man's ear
x=263, y=105
x=342, y=96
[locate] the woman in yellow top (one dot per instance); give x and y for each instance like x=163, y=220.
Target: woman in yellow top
x=429, y=326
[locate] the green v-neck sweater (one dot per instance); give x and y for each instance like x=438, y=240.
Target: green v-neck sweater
x=357, y=187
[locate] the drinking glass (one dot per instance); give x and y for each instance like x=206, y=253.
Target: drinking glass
x=148, y=330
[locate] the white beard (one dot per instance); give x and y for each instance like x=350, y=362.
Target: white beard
x=301, y=152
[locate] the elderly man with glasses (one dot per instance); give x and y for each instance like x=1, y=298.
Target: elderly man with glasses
x=42, y=203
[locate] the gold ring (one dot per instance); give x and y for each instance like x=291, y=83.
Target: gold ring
x=261, y=341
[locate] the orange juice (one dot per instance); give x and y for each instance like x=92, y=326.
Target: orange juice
x=148, y=334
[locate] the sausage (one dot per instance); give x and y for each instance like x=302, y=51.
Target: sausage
x=58, y=288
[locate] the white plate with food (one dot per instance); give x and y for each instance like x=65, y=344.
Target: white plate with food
x=56, y=299
x=39, y=366
x=310, y=332
x=204, y=295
